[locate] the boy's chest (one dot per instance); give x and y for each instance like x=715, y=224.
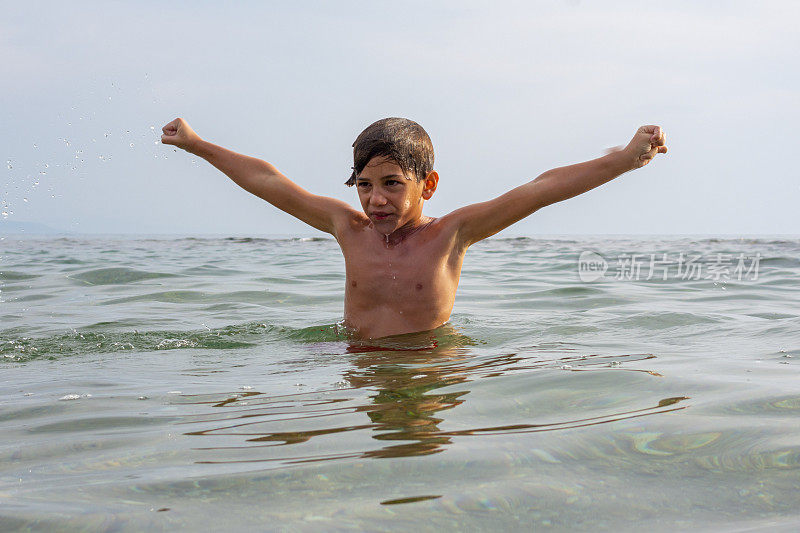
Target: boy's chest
x=375, y=269
x=391, y=274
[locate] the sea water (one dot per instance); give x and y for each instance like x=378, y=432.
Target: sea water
x=582, y=384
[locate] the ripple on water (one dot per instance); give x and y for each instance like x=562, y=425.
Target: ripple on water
x=574, y=411
x=264, y=297
x=94, y=340
x=100, y=423
x=116, y=276
x=34, y=297
x=771, y=316
x=210, y=270
x=780, y=406
x=12, y=275
x=665, y=320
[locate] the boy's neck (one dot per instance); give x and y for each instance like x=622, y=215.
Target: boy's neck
x=406, y=230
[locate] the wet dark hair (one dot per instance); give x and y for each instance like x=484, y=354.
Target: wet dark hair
x=398, y=139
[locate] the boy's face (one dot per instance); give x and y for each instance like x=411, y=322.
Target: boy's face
x=389, y=198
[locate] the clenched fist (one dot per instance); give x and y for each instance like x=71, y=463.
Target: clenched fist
x=648, y=141
x=179, y=133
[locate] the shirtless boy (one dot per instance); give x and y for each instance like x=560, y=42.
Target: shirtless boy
x=402, y=267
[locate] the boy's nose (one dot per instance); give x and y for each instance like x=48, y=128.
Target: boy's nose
x=377, y=199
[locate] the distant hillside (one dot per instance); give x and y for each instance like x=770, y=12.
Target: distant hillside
x=13, y=227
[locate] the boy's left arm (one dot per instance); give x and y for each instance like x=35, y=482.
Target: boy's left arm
x=479, y=221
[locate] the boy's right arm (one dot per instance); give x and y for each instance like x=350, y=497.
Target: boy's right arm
x=262, y=179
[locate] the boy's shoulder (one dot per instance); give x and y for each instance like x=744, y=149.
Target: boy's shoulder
x=435, y=237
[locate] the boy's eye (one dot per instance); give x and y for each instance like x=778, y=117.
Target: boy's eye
x=362, y=184
x=392, y=182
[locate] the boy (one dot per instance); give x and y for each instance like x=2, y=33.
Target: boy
x=402, y=268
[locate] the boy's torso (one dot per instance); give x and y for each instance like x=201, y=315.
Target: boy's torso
x=402, y=285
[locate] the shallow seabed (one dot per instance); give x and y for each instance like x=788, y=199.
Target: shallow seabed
x=202, y=383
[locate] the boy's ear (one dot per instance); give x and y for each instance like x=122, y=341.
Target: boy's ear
x=429, y=186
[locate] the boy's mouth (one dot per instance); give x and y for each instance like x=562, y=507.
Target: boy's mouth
x=377, y=215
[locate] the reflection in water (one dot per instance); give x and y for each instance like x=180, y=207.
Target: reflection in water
x=404, y=405
x=412, y=499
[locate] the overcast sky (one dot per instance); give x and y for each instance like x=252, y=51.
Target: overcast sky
x=506, y=90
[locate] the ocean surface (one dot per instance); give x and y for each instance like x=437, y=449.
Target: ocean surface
x=597, y=383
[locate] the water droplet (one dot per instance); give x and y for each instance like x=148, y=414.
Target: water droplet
x=131, y=145
x=107, y=134
x=69, y=397
x=46, y=165
x=35, y=146
x=5, y=214
x=152, y=128
x=25, y=200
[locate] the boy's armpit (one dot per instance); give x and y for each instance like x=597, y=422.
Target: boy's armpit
x=481, y=220
x=457, y=224
x=328, y=214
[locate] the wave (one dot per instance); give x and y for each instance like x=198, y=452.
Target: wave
x=23, y=349
x=11, y=275
x=116, y=276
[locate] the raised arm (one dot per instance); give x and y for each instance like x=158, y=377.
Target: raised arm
x=261, y=179
x=478, y=221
